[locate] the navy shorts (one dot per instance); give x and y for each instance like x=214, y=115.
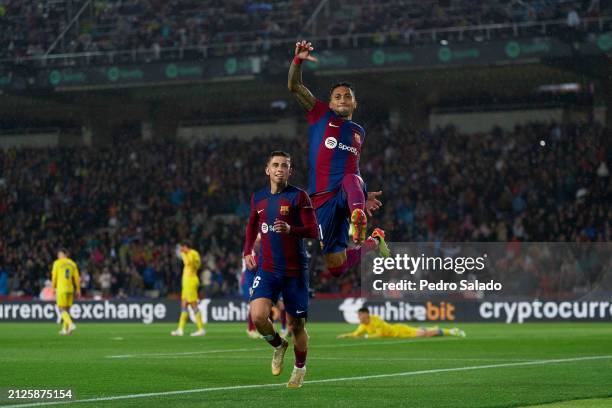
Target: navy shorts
x=247, y=282
x=333, y=217
x=294, y=290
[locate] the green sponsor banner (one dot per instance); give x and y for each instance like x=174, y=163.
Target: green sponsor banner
x=145, y=74
x=452, y=54
x=329, y=61
x=234, y=66
x=231, y=66
x=517, y=49
x=174, y=71
x=381, y=57
x=67, y=77
x=604, y=42
x=5, y=79
x=395, y=57
x=115, y=74
x=447, y=54
x=597, y=44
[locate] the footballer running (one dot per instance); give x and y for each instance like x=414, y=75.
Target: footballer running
x=284, y=216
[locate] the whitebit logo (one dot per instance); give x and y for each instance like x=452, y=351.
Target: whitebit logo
x=221, y=313
x=202, y=307
x=349, y=309
x=331, y=143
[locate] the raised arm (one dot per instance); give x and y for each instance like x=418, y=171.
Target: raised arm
x=304, y=97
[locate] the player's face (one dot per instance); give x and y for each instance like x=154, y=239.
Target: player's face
x=364, y=318
x=343, y=102
x=279, y=169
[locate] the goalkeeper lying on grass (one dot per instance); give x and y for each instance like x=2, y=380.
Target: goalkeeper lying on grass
x=374, y=326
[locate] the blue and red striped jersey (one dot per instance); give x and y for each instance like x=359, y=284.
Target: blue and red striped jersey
x=334, y=149
x=281, y=252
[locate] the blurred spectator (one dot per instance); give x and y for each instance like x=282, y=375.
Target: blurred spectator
x=573, y=19
x=47, y=293
x=438, y=186
x=4, y=287
x=222, y=28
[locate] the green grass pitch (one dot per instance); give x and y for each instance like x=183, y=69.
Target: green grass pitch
x=564, y=365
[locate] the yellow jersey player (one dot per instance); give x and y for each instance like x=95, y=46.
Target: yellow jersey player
x=374, y=326
x=65, y=280
x=189, y=293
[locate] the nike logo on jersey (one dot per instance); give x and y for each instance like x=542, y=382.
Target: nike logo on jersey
x=299, y=311
x=332, y=125
x=260, y=211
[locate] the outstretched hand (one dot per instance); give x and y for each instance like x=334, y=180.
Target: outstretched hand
x=373, y=203
x=303, y=49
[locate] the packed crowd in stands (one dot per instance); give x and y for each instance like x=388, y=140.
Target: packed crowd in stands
x=402, y=15
x=28, y=28
x=122, y=212
x=109, y=25
x=215, y=27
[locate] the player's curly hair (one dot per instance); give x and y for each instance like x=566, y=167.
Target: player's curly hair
x=364, y=310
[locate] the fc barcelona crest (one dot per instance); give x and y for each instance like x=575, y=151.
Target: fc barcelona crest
x=284, y=209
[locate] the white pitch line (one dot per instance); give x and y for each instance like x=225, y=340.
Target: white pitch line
x=186, y=353
x=417, y=359
x=360, y=359
x=356, y=343
x=327, y=380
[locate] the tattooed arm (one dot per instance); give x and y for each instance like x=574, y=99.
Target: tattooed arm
x=304, y=97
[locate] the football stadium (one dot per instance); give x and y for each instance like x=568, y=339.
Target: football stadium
x=219, y=203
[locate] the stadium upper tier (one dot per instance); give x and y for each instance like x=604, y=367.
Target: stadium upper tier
x=121, y=211
x=176, y=29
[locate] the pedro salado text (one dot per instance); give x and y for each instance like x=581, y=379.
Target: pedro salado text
x=397, y=273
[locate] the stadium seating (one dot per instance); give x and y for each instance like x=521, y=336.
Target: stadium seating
x=152, y=28
x=147, y=24
x=122, y=212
